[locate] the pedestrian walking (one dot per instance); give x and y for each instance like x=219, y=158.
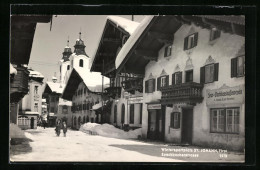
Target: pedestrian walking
x=58, y=127
x=44, y=124
x=64, y=128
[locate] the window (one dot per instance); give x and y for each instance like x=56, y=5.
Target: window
x=150, y=86
x=190, y=41
x=35, y=89
x=238, y=66
x=141, y=112
x=36, y=107
x=167, y=51
x=81, y=62
x=123, y=114
x=132, y=113
x=115, y=113
x=214, y=34
x=209, y=73
x=163, y=81
x=65, y=109
x=189, y=76
x=52, y=109
x=224, y=120
x=68, y=67
x=175, y=120
x=177, y=78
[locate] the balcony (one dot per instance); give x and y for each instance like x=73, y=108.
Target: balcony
x=190, y=93
x=133, y=84
x=19, y=84
x=113, y=92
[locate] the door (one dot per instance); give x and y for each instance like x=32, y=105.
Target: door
x=187, y=126
x=156, y=125
x=32, y=122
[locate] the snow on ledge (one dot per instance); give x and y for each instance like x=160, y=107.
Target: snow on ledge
x=12, y=70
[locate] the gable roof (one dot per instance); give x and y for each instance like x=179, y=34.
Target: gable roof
x=54, y=87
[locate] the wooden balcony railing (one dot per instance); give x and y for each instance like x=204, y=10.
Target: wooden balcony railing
x=190, y=93
x=113, y=92
x=133, y=84
x=19, y=84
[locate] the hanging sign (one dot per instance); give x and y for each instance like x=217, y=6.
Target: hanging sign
x=225, y=95
x=154, y=106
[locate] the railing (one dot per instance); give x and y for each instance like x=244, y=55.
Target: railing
x=133, y=84
x=113, y=91
x=187, y=92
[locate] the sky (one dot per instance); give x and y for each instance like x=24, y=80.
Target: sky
x=48, y=45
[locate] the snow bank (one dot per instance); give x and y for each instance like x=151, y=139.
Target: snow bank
x=12, y=70
x=109, y=131
x=16, y=132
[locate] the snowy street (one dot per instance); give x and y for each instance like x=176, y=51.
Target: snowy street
x=81, y=147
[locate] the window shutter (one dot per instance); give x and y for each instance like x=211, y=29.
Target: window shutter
x=196, y=39
x=146, y=86
x=158, y=83
x=202, y=75
x=181, y=77
x=216, y=71
x=185, y=43
x=167, y=80
x=165, y=51
x=173, y=78
x=153, y=85
x=233, y=67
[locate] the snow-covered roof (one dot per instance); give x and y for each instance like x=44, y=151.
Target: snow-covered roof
x=31, y=113
x=44, y=106
x=55, y=87
x=64, y=102
x=12, y=69
x=93, y=80
x=97, y=106
x=132, y=40
x=126, y=24
x=34, y=73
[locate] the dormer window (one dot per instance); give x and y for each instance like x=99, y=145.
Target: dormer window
x=167, y=50
x=81, y=63
x=190, y=41
x=214, y=34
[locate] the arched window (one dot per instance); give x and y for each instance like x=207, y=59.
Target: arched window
x=81, y=62
x=79, y=121
x=123, y=114
x=84, y=119
x=115, y=113
x=68, y=67
x=75, y=121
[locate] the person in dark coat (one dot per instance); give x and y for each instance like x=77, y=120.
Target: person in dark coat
x=58, y=127
x=64, y=128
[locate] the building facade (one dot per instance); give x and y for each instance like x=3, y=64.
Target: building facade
x=194, y=84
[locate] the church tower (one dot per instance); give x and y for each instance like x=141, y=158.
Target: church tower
x=80, y=47
x=67, y=52
x=65, y=62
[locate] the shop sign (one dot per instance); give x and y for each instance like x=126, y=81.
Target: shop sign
x=133, y=100
x=225, y=95
x=154, y=106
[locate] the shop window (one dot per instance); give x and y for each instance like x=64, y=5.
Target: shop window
x=190, y=41
x=167, y=51
x=81, y=62
x=214, y=34
x=141, y=112
x=189, y=76
x=238, y=66
x=132, y=113
x=123, y=114
x=175, y=120
x=68, y=67
x=209, y=73
x=177, y=78
x=150, y=86
x=115, y=113
x=224, y=120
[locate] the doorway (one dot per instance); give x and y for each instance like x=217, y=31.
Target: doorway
x=156, y=124
x=32, y=122
x=187, y=125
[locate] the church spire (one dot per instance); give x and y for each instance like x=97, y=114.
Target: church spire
x=79, y=46
x=67, y=52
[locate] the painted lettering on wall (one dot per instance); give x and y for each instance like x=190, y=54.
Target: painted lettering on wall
x=225, y=95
